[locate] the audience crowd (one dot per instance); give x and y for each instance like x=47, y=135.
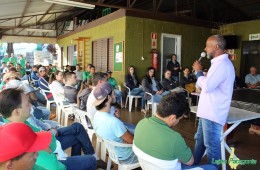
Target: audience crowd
x=26, y=92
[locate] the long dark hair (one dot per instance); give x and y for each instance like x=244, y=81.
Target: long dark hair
x=148, y=76
x=53, y=76
x=129, y=69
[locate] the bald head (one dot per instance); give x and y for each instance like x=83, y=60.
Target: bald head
x=253, y=70
x=215, y=45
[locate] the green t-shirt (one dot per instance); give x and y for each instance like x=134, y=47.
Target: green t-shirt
x=155, y=138
x=13, y=60
x=89, y=76
x=22, y=72
x=46, y=160
x=85, y=75
x=22, y=62
x=54, y=68
x=5, y=60
x=112, y=82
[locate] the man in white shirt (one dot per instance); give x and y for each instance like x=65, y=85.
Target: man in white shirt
x=215, y=99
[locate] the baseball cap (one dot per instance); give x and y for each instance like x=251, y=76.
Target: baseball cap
x=17, y=84
x=41, y=69
x=18, y=138
x=109, y=72
x=10, y=75
x=101, y=92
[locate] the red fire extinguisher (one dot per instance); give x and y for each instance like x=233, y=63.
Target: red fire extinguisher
x=155, y=59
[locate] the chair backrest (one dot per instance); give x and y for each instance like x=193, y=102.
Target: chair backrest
x=128, y=89
x=80, y=117
x=45, y=92
x=111, y=147
x=148, y=162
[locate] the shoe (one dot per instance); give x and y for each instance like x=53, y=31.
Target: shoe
x=52, y=116
x=71, y=116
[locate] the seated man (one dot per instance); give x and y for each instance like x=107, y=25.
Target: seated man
x=18, y=153
x=92, y=71
x=86, y=73
x=168, y=83
x=70, y=90
x=15, y=106
x=113, y=83
x=43, y=83
x=188, y=81
x=35, y=75
x=167, y=144
x=252, y=80
x=40, y=112
x=108, y=126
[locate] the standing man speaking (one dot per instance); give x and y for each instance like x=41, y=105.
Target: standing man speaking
x=215, y=98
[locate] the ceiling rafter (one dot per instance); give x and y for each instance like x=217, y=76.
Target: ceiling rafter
x=24, y=11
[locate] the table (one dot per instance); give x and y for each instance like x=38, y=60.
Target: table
x=235, y=117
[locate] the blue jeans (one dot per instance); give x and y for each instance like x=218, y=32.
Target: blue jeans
x=118, y=96
x=157, y=97
x=41, y=113
x=131, y=159
x=75, y=136
x=207, y=138
x=139, y=92
x=80, y=162
x=130, y=127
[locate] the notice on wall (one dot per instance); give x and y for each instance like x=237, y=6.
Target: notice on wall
x=118, y=56
x=42, y=57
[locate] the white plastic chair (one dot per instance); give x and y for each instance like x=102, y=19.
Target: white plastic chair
x=110, y=146
x=131, y=97
x=49, y=102
x=148, y=162
x=80, y=117
x=120, y=89
x=151, y=102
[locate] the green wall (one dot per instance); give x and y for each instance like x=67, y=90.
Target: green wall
x=136, y=34
x=115, y=29
x=242, y=30
x=138, y=42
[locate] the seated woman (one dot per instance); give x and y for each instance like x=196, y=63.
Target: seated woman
x=168, y=83
x=132, y=82
x=56, y=84
x=151, y=85
x=188, y=81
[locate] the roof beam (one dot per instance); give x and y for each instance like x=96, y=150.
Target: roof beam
x=24, y=11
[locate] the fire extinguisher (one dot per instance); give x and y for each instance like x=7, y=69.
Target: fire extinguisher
x=155, y=59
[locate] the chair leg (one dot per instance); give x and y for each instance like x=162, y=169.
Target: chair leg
x=130, y=103
x=48, y=105
x=154, y=107
x=66, y=117
x=126, y=100
x=136, y=100
x=103, y=151
x=109, y=162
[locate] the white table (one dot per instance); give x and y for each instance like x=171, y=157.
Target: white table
x=235, y=117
